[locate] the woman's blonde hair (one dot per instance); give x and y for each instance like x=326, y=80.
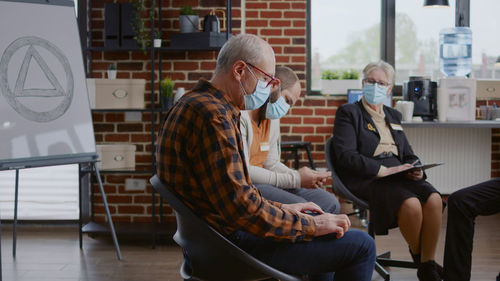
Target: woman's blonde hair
x=382, y=65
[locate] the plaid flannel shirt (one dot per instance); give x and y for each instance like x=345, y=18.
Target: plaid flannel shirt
x=200, y=157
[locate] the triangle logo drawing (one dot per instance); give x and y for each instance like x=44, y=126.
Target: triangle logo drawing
x=32, y=56
x=36, y=79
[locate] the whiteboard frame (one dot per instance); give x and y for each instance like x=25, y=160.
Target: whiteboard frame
x=43, y=161
x=66, y=3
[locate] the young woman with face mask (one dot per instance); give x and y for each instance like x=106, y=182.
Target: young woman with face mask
x=371, y=153
x=260, y=130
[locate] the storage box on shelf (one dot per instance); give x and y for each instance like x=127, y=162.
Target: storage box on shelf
x=116, y=93
x=116, y=156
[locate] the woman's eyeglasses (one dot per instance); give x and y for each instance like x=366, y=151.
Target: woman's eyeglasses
x=373, y=81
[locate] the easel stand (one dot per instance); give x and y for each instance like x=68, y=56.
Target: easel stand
x=86, y=158
x=108, y=214
x=106, y=207
x=0, y=250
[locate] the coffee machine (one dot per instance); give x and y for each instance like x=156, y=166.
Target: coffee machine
x=423, y=93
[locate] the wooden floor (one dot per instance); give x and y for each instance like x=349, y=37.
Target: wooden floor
x=52, y=253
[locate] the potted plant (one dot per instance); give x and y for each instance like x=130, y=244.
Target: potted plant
x=142, y=36
x=157, y=40
x=112, y=71
x=188, y=20
x=167, y=93
x=338, y=82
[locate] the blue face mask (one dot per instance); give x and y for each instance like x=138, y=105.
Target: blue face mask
x=258, y=97
x=374, y=93
x=277, y=109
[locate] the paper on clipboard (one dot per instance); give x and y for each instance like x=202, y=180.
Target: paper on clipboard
x=427, y=166
x=423, y=167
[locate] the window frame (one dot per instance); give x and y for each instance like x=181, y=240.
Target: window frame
x=387, y=35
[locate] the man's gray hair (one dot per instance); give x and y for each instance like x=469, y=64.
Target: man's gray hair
x=384, y=66
x=245, y=47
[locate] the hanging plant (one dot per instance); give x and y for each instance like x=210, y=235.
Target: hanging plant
x=142, y=36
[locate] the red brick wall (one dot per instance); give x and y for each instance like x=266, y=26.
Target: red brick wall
x=281, y=23
x=183, y=67
x=495, y=153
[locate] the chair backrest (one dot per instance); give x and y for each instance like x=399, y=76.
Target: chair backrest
x=338, y=187
x=208, y=255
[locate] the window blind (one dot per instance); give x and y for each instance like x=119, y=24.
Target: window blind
x=47, y=193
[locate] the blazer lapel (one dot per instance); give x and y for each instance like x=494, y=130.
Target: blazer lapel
x=370, y=126
x=396, y=137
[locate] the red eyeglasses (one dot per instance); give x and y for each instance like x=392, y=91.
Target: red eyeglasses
x=263, y=72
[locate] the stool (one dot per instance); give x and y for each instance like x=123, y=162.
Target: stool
x=293, y=147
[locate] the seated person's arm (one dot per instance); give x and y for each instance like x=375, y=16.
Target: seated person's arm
x=232, y=197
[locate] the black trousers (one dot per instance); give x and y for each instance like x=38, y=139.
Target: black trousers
x=463, y=207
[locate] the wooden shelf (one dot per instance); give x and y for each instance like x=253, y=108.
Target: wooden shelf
x=488, y=124
x=126, y=172
x=194, y=48
x=112, y=49
x=127, y=110
x=162, y=49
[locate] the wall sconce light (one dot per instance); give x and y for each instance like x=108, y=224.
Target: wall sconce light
x=436, y=3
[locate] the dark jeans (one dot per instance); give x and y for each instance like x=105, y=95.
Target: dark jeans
x=326, y=200
x=351, y=257
x=463, y=207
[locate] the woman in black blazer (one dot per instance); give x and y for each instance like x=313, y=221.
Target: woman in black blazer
x=371, y=154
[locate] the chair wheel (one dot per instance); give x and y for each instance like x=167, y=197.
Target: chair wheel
x=364, y=223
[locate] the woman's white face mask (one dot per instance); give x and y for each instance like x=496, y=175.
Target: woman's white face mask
x=374, y=93
x=277, y=109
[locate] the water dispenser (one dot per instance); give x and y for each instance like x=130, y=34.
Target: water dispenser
x=455, y=51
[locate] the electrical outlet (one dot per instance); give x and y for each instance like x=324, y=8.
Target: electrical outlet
x=133, y=116
x=135, y=184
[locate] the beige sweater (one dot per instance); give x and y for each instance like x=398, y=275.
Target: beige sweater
x=274, y=172
x=387, y=143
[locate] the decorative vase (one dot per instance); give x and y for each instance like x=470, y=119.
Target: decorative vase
x=178, y=94
x=166, y=103
x=157, y=43
x=188, y=23
x=111, y=74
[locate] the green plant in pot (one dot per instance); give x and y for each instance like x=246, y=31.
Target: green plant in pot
x=330, y=75
x=141, y=35
x=336, y=82
x=167, y=93
x=188, y=20
x=111, y=71
x=350, y=74
x=157, y=39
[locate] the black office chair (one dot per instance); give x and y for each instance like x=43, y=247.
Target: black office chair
x=341, y=190
x=207, y=254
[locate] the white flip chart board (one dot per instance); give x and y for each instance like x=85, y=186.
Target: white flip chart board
x=44, y=105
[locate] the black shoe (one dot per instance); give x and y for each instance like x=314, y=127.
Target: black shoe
x=427, y=271
x=416, y=260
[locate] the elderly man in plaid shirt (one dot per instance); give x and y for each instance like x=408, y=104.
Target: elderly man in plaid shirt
x=200, y=157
